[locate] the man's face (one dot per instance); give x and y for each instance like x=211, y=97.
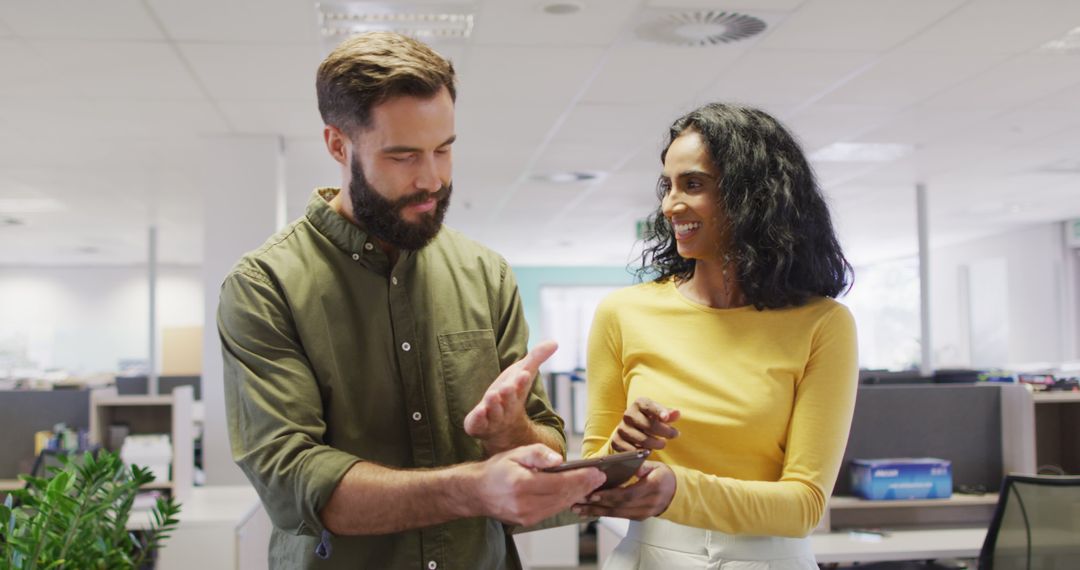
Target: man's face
x=385, y=219
x=400, y=169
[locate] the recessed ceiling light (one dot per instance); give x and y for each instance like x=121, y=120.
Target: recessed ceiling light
x=1069, y=42
x=339, y=20
x=567, y=177
x=29, y=205
x=861, y=152
x=561, y=8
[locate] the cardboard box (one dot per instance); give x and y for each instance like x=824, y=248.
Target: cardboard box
x=902, y=478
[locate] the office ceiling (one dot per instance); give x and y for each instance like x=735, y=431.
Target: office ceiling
x=104, y=104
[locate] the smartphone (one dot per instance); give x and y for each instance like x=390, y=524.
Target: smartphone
x=618, y=467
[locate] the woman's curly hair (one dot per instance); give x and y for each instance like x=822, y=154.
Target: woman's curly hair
x=783, y=243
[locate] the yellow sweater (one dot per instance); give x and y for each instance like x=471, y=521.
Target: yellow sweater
x=766, y=400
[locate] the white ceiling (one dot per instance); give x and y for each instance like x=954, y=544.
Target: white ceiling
x=104, y=107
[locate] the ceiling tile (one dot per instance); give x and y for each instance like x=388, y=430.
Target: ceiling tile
x=482, y=123
x=239, y=21
x=905, y=78
x=101, y=19
x=785, y=77
x=999, y=27
x=643, y=73
x=109, y=118
x=549, y=76
x=619, y=127
x=98, y=69
x=509, y=22
x=1020, y=80
x=920, y=125
x=580, y=157
x=821, y=125
x=278, y=117
x=857, y=24
x=265, y=72
x=733, y=5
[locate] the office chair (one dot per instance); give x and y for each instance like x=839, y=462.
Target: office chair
x=1036, y=525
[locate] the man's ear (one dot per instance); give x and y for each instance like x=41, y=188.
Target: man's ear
x=336, y=144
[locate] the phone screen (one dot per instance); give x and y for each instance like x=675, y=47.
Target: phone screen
x=618, y=467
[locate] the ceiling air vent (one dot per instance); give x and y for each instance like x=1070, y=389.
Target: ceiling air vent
x=700, y=28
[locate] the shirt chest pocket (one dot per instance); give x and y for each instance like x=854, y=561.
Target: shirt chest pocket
x=470, y=363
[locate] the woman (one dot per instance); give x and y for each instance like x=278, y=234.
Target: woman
x=734, y=364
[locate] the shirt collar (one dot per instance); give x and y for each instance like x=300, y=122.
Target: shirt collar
x=346, y=235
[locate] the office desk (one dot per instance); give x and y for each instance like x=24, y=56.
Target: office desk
x=221, y=528
x=842, y=547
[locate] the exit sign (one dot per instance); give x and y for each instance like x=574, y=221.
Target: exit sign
x=644, y=229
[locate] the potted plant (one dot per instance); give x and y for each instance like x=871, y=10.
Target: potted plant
x=76, y=518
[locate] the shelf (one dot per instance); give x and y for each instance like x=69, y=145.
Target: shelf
x=132, y=400
x=11, y=485
x=957, y=500
x=1056, y=397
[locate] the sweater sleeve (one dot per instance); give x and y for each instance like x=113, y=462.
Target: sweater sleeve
x=817, y=436
x=606, y=391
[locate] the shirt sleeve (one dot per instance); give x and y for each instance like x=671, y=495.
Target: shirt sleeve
x=512, y=343
x=274, y=407
x=817, y=436
x=606, y=391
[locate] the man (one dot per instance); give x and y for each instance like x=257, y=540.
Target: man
x=363, y=346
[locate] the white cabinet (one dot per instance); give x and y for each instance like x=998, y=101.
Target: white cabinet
x=221, y=528
x=170, y=414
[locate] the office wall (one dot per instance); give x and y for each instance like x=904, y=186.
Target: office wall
x=1034, y=264
x=85, y=319
x=531, y=279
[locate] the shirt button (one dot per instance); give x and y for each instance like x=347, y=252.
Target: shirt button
x=432, y=565
x=393, y=280
x=368, y=246
x=417, y=416
x=356, y=257
x=406, y=346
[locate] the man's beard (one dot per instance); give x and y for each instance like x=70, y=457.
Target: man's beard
x=381, y=218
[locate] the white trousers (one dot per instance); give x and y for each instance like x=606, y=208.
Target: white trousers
x=657, y=544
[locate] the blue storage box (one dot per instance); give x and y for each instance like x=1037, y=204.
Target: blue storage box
x=902, y=478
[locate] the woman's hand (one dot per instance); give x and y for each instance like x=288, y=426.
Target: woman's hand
x=645, y=425
x=647, y=497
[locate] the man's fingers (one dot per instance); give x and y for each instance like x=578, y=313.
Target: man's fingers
x=538, y=355
x=535, y=456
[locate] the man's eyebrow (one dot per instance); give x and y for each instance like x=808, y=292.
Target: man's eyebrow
x=403, y=149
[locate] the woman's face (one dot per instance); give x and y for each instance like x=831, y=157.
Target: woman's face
x=691, y=184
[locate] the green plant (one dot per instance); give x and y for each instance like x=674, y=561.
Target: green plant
x=76, y=518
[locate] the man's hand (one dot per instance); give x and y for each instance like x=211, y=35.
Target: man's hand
x=647, y=497
x=513, y=490
x=499, y=420
x=645, y=425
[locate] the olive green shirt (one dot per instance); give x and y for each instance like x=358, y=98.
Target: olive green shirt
x=332, y=356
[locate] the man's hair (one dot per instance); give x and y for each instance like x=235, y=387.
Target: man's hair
x=783, y=242
x=370, y=68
